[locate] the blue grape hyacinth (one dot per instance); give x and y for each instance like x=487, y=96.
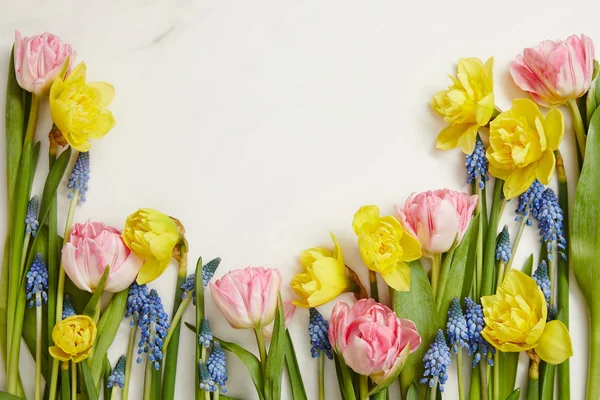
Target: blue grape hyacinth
x=529, y=202
x=436, y=360
x=117, y=376
x=137, y=297
x=477, y=164
x=206, y=381
x=504, y=248
x=37, y=282
x=318, y=330
x=205, y=337
x=478, y=347
x=550, y=217
x=189, y=286
x=542, y=278
x=154, y=324
x=217, y=366
x=31, y=222
x=80, y=176
x=456, y=327
x=209, y=269
x=68, y=310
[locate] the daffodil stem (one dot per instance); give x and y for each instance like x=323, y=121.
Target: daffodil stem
x=484, y=380
x=436, y=266
x=373, y=284
x=148, y=381
x=38, y=346
x=459, y=373
x=262, y=349
x=176, y=318
x=321, y=376
x=363, y=383
x=129, y=360
x=578, y=127
x=53, y=379
x=496, y=383
x=515, y=246
x=73, y=381
x=433, y=390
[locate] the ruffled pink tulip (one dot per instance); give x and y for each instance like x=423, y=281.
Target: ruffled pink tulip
x=39, y=59
x=247, y=298
x=556, y=71
x=289, y=309
x=91, y=247
x=372, y=340
x=437, y=218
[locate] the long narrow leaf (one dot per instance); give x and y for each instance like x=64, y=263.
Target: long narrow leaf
x=291, y=362
x=347, y=390
x=199, y=288
x=249, y=360
x=515, y=395
x=92, y=307
x=487, y=280
x=6, y=396
x=275, y=356
x=88, y=381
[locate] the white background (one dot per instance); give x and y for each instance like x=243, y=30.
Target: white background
x=263, y=125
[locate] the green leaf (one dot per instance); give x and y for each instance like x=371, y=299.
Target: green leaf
x=199, y=288
x=275, y=356
x=88, y=381
x=108, y=326
x=452, y=277
x=489, y=267
x=508, y=377
x=93, y=306
x=418, y=306
x=291, y=362
x=547, y=374
x=65, y=381
x=6, y=396
x=413, y=392
x=223, y=397
x=344, y=378
x=528, y=265
x=515, y=395
x=585, y=245
x=248, y=359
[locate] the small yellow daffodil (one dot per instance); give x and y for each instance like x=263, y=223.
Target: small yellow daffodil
x=73, y=338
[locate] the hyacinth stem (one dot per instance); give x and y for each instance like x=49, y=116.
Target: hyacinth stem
x=24, y=253
x=515, y=246
x=373, y=284
x=578, y=127
x=501, y=268
x=321, y=376
x=38, y=347
x=73, y=380
x=175, y=321
x=114, y=392
x=262, y=349
x=363, y=385
x=552, y=266
x=436, y=266
x=148, y=380
x=129, y=360
x=61, y=289
x=433, y=390
x=459, y=373
x=479, y=260
x=484, y=380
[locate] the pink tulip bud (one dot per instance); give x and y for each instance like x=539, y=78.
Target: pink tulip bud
x=372, y=340
x=39, y=59
x=247, y=297
x=555, y=71
x=289, y=309
x=91, y=247
x=437, y=218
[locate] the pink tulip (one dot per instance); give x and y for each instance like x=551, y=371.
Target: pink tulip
x=437, y=218
x=556, y=71
x=91, y=247
x=289, y=309
x=372, y=340
x=247, y=297
x=39, y=59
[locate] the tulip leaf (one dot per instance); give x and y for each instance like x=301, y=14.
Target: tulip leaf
x=453, y=274
x=528, y=265
x=419, y=306
x=344, y=378
x=515, y=395
x=275, y=356
x=93, y=306
x=199, y=290
x=248, y=359
x=6, y=396
x=291, y=362
x=413, y=392
x=108, y=326
x=88, y=381
x=585, y=245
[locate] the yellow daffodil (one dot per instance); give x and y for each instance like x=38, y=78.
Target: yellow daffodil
x=152, y=236
x=325, y=276
x=73, y=338
x=467, y=105
x=522, y=144
x=515, y=320
x=385, y=246
x=78, y=108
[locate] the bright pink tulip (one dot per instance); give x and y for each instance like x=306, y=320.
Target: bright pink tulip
x=437, y=218
x=555, y=71
x=289, y=309
x=39, y=59
x=372, y=340
x=247, y=297
x=91, y=247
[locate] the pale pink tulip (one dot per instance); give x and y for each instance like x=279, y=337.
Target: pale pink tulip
x=372, y=340
x=289, y=309
x=437, y=218
x=247, y=298
x=39, y=59
x=91, y=247
x=555, y=71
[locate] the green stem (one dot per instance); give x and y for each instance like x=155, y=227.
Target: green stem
x=129, y=359
x=363, y=387
x=262, y=349
x=552, y=272
x=65, y=381
x=176, y=318
x=459, y=372
x=501, y=266
x=54, y=379
x=38, y=346
x=433, y=390
x=373, y=284
x=436, y=266
x=24, y=253
x=515, y=246
x=578, y=126
x=73, y=380
x=53, y=257
x=114, y=392
x=490, y=243
x=321, y=376
x=496, y=383
x=148, y=381
x=484, y=381
x=593, y=382
x=479, y=260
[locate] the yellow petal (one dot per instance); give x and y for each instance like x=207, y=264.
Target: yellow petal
x=337, y=250
x=57, y=353
x=363, y=215
x=554, y=127
x=545, y=169
x=332, y=274
x=495, y=170
x=519, y=181
x=101, y=125
x=77, y=73
x=449, y=136
x=555, y=345
x=151, y=270
x=398, y=278
x=308, y=257
x=106, y=93
x=411, y=247
x=61, y=115
x=467, y=139
x=485, y=109
x=527, y=109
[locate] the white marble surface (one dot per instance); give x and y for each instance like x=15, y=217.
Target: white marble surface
x=265, y=124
